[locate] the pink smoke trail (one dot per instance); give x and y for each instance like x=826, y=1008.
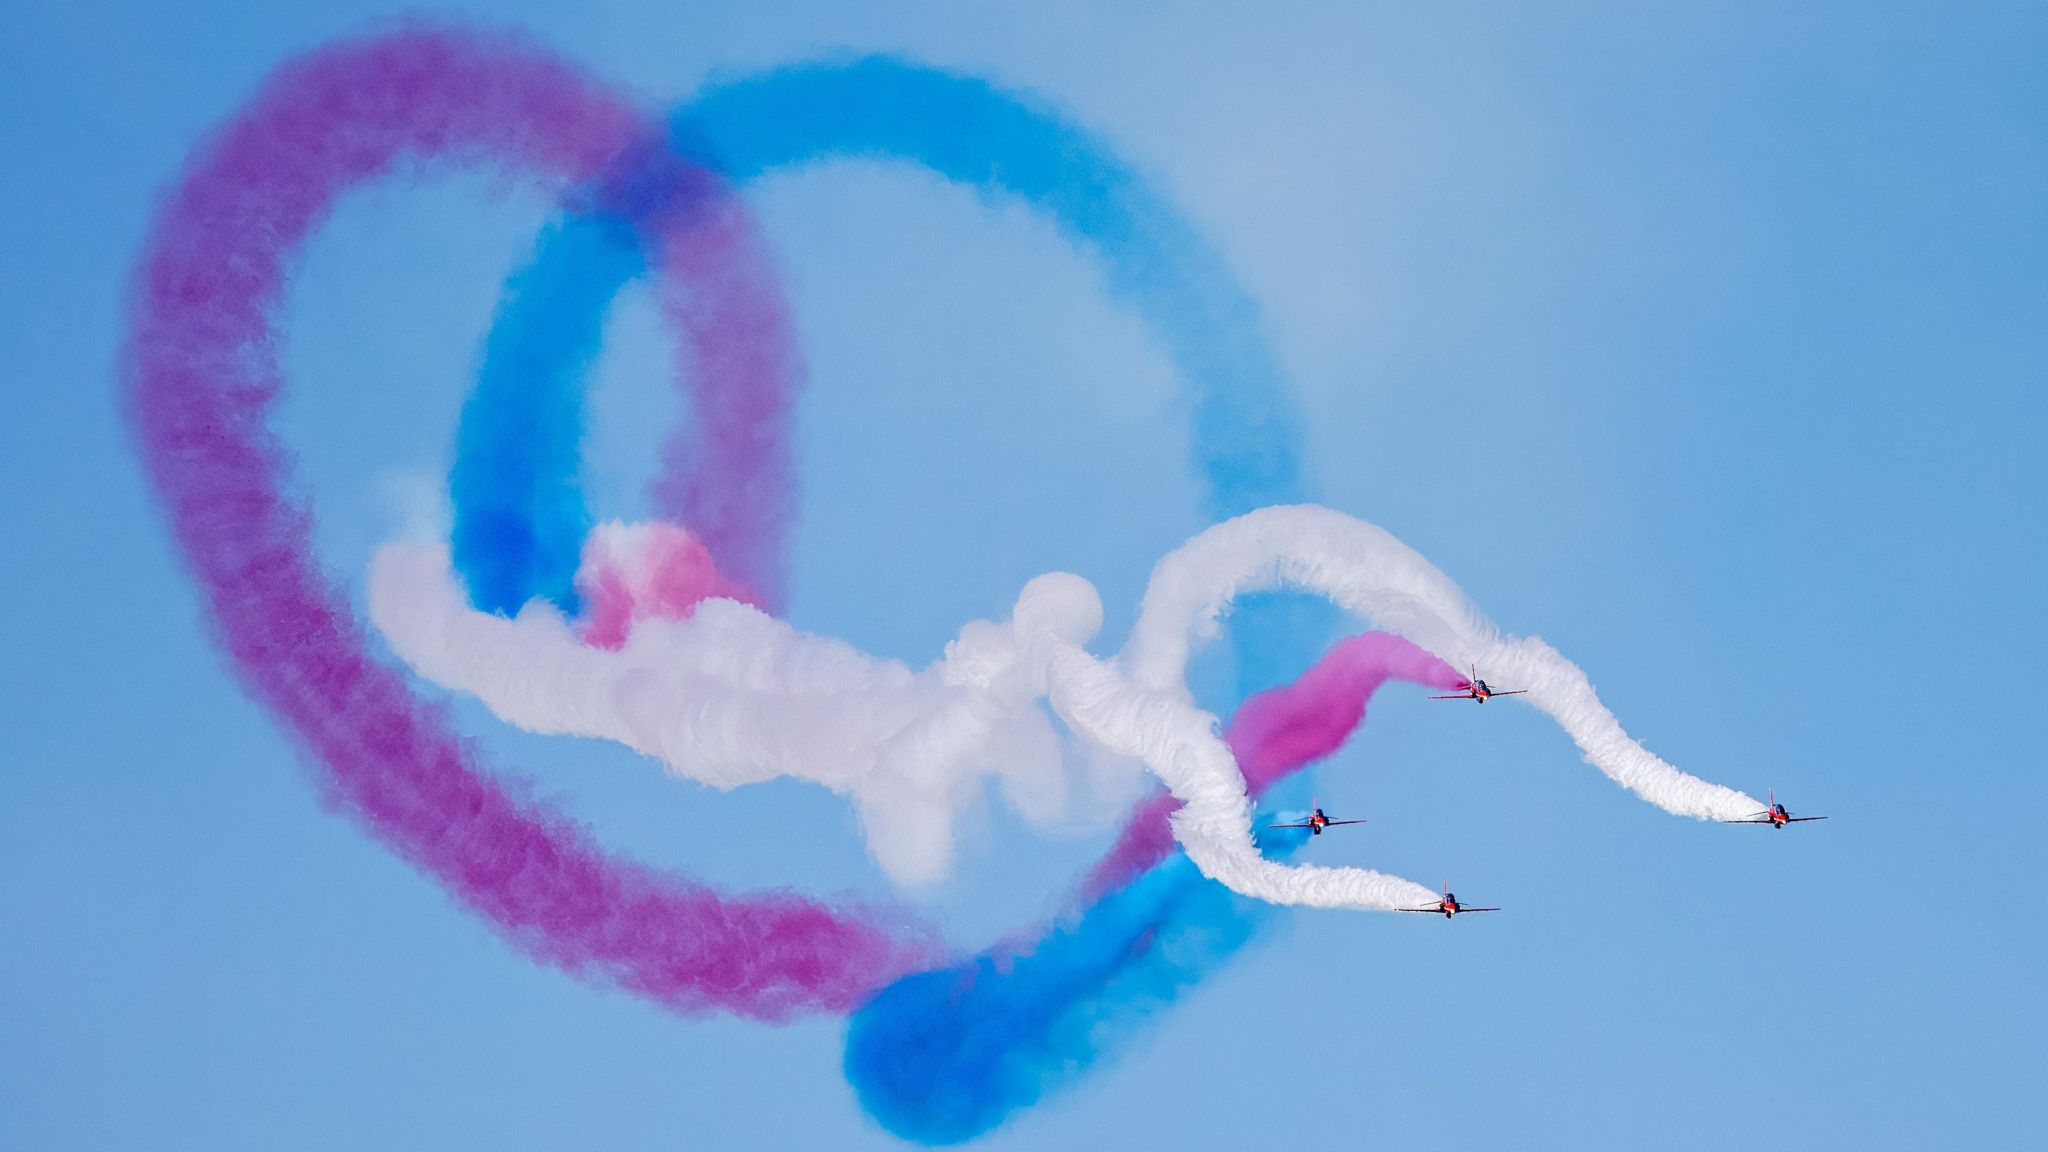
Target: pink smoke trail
x=1276, y=732
x=203, y=373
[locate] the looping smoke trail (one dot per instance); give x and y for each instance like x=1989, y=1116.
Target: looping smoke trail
x=1246, y=433
x=203, y=373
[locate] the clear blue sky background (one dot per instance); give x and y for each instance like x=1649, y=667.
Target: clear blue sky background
x=1709, y=344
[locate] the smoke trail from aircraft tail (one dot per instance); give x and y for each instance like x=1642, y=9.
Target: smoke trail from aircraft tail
x=1366, y=571
x=203, y=375
x=1276, y=732
x=1139, y=705
x=1182, y=746
x=733, y=696
x=945, y=1056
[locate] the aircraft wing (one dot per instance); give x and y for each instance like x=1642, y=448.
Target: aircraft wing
x=1431, y=911
x=1747, y=821
x=1516, y=692
x=1459, y=696
x=1296, y=825
x=1334, y=823
x=1463, y=909
x=1802, y=819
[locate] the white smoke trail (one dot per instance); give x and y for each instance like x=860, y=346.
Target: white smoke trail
x=732, y=696
x=1141, y=707
x=1365, y=570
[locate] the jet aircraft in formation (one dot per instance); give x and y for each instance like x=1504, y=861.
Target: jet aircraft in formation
x=1316, y=822
x=1775, y=815
x=1448, y=906
x=1477, y=689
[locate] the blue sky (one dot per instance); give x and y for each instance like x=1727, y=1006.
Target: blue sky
x=1706, y=344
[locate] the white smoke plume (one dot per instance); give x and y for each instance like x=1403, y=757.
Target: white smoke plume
x=732, y=696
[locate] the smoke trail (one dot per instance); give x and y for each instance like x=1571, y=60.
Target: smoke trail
x=731, y=696
x=1181, y=744
x=945, y=1056
x=1367, y=571
x=202, y=371
x=1278, y=731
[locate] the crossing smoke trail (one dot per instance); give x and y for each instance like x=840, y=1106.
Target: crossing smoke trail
x=947, y=1055
x=202, y=372
x=733, y=696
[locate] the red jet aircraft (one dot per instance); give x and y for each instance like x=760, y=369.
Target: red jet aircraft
x=1775, y=816
x=1448, y=906
x=1316, y=822
x=1476, y=689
